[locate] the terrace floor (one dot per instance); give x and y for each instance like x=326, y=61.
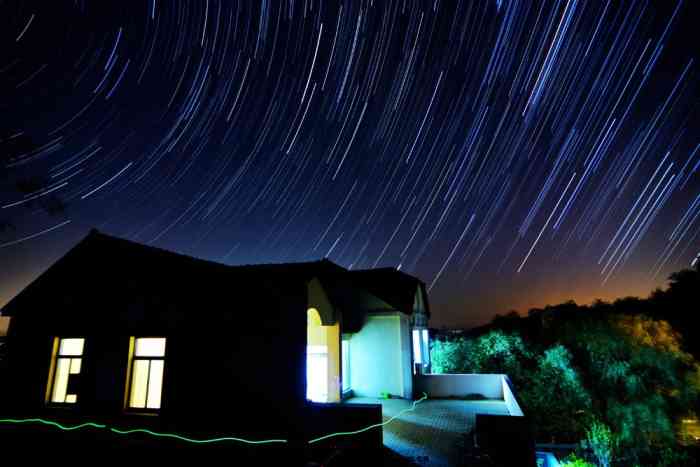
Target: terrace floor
x=431, y=434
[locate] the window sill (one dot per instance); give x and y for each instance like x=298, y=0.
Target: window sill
x=142, y=412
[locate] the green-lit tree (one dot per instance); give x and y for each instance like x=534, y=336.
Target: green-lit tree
x=555, y=397
x=450, y=356
x=601, y=441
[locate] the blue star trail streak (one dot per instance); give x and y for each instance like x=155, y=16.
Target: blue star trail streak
x=509, y=153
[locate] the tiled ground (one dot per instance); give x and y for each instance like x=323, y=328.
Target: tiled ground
x=430, y=435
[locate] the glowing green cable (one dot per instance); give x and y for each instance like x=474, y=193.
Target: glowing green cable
x=197, y=441
x=48, y=422
x=343, y=433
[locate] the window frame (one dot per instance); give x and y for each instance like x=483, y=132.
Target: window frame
x=130, y=376
x=51, y=383
x=345, y=367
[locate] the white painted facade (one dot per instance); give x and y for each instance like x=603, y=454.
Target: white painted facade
x=380, y=357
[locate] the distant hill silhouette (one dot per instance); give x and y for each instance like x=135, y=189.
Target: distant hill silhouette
x=679, y=304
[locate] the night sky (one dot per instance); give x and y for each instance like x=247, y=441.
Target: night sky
x=509, y=153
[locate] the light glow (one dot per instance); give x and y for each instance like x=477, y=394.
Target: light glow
x=71, y=347
x=155, y=384
x=150, y=347
x=139, y=384
x=317, y=373
x=60, y=384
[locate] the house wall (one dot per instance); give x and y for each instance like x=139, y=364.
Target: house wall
x=406, y=357
x=380, y=357
x=509, y=398
x=235, y=355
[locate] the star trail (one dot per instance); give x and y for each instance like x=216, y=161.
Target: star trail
x=508, y=153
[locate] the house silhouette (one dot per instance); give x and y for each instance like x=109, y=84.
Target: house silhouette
x=133, y=336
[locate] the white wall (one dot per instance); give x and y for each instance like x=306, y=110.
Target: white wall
x=509, y=398
x=459, y=385
x=406, y=358
x=380, y=357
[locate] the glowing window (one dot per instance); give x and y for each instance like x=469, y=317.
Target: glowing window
x=65, y=370
x=416, y=347
x=426, y=347
x=146, y=375
x=346, y=365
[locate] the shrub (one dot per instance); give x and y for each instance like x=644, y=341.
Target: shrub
x=602, y=442
x=572, y=460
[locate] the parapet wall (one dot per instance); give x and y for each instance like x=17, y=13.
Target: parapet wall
x=489, y=386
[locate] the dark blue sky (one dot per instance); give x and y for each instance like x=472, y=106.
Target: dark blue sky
x=510, y=154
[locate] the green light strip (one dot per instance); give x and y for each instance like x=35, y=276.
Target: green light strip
x=136, y=430
x=343, y=433
x=195, y=441
x=50, y=423
x=100, y=426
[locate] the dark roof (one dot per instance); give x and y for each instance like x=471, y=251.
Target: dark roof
x=343, y=286
x=306, y=270
x=391, y=285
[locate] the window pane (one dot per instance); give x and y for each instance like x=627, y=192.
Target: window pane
x=60, y=382
x=71, y=347
x=150, y=347
x=71, y=398
x=139, y=382
x=155, y=384
x=346, y=365
x=75, y=364
x=426, y=347
x=416, y=346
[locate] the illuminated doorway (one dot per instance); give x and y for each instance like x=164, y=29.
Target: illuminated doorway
x=317, y=373
x=322, y=359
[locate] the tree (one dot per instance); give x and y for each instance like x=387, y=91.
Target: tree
x=601, y=441
x=450, y=356
x=555, y=397
x=572, y=460
x=498, y=352
x=13, y=148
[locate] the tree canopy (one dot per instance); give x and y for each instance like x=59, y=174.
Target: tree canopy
x=624, y=373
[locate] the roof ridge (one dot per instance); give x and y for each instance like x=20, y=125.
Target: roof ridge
x=96, y=233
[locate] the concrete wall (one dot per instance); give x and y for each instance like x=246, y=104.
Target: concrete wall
x=509, y=397
x=378, y=354
x=459, y=385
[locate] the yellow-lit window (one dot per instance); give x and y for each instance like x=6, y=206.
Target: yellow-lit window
x=65, y=370
x=146, y=378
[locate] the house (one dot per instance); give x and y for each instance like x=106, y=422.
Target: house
x=130, y=335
